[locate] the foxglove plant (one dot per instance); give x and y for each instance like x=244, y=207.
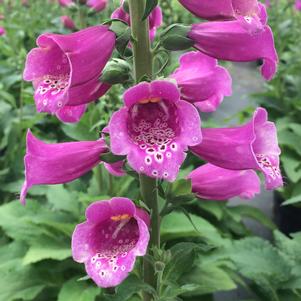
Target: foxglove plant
x=157, y=125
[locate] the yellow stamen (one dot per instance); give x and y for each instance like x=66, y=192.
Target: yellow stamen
x=153, y=100
x=117, y=218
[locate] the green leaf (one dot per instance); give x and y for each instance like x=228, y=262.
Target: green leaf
x=24, y=284
x=47, y=249
x=128, y=288
x=79, y=291
x=208, y=279
x=177, y=225
x=254, y=213
x=183, y=257
x=294, y=200
x=150, y=5
x=62, y=199
x=292, y=166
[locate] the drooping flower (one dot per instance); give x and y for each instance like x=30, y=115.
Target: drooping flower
x=68, y=22
x=215, y=183
x=298, y=5
x=65, y=69
x=58, y=163
x=155, y=19
x=154, y=129
x=2, y=31
x=115, y=233
x=201, y=81
x=233, y=41
x=65, y=2
x=97, y=5
x=251, y=146
x=223, y=9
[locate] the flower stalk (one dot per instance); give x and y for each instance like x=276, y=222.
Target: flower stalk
x=142, y=60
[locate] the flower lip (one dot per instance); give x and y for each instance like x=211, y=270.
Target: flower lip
x=151, y=92
x=109, y=241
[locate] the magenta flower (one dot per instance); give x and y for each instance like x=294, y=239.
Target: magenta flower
x=58, y=163
x=251, y=146
x=115, y=233
x=214, y=183
x=68, y=22
x=2, y=31
x=232, y=41
x=97, y=5
x=65, y=2
x=222, y=9
x=155, y=19
x=298, y=5
x=65, y=69
x=201, y=81
x=154, y=129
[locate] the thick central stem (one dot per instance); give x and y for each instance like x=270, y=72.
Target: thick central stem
x=142, y=59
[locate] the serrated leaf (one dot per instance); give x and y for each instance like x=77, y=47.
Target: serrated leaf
x=79, y=291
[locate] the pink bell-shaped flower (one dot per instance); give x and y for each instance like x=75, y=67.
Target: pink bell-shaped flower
x=234, y=41
x=97, y=5
x=58, y=163
x=215, y=183
x=65, y=69
x=251, y=146
x=201, y=81
x=111, y=238
x=154, y=129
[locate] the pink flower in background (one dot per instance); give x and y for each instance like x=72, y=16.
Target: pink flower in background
x=267, y=3
x=68, y=22
x=65, y=2
x=65, y=70
x=201, y=81
x=97, y=5
x=251, y=146
x=298, y=5
x=58, y=163
x=115, y=233
x=154, y=129
x=115, y=169
x=2, y=31
x=155, y=19
x=214, y=183
x=232, y=41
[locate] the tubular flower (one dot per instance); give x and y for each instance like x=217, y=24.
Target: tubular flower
x=251, y=146
x=65, y=2
x=232, y=41
x=214, y=183
x=243, y=10
x=298, y=5
x=115, y=233
x=201, y=81
x=2, y=31
x=65, y=69
x=154, y=129
x=155, y=19
x=67, y=22
x=97, y=5
x=58, y=163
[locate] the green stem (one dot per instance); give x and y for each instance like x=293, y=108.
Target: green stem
x=143, y=67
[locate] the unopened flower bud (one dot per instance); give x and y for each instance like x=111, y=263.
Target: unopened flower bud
x=116, y=72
